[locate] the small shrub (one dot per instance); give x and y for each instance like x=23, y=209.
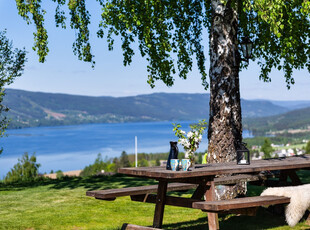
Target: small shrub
x=25, y=170
x=143, y=163
x=59, y=174
x=95, y=168
x=266, y=148
x=308, y=148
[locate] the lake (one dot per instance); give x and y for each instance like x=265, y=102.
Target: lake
x=73, y=147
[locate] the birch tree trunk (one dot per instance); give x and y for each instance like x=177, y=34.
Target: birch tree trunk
x=225, y=126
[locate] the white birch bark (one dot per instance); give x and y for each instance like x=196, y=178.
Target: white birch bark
x=225, y=127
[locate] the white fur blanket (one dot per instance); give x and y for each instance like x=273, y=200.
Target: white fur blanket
x=300, y=201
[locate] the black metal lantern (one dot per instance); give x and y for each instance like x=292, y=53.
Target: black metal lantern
x=246, y=46
x=243, y=155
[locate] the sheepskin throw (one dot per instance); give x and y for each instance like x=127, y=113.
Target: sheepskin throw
x=300, y=201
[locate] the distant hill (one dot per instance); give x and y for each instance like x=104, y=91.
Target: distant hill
x=296, y=121
x=292, y=105
x=47, y=109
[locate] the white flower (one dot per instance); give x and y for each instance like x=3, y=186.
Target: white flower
x=182, y=132
x=200, y=137
x=190, y=134
x=187, y=153
x=187, y=144
x=196, y=139
x=196, y=133
x=184, y=142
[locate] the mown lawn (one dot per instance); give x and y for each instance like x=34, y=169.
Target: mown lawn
x=62, y=204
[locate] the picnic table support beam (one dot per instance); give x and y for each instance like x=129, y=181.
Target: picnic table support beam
x=294, y=177
x=284, y=174
x=199, y=192
x=210, y=196
x=160, y=204
x=308, y=219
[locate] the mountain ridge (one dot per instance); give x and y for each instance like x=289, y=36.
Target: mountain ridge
x=30, y=109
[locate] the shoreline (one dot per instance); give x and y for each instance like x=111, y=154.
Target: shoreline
x=67, y=173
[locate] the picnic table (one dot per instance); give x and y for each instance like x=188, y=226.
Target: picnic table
x=203, y=178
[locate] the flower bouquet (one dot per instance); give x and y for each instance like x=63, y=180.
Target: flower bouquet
x=190, y=141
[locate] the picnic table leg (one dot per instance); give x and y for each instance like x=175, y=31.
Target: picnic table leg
x=160, y=204
x=294, y=177
x=212, y=217
x=284, y=174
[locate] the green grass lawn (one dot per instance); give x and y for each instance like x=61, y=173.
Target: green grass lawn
x=62, y=204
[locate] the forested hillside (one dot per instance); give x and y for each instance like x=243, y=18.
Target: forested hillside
x=46, y=109
x=296, y=121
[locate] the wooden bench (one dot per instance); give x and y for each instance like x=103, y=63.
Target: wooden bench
x=240, y=203
x=112, y=194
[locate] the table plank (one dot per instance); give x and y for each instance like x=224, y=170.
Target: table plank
x=296, y=162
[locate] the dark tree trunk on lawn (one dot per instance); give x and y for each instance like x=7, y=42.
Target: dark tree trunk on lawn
x=225, y=127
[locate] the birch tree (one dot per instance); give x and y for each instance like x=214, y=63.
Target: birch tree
x=12, y=63
x=170, y=35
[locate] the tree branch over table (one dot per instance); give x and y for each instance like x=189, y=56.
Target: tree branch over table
x=171, y=34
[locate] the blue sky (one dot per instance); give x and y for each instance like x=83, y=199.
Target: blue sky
x=63, y=73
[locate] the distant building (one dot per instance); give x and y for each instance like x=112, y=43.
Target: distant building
x=258, y=156
x=283, y=153
x=278, y=153
x=276, y=146
x=300, y=151
x=163, y=162
x=254, y=147
x=290, y=152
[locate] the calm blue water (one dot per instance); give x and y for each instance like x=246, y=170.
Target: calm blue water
x=73, y=147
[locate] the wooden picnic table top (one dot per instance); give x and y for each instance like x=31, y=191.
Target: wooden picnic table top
x=204, y=170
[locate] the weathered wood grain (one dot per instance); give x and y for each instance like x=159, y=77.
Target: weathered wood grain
x=108, y=194
x=213, y=221
x=296, y=162
x=111, y=194
x=160, y=204
x=246, y=202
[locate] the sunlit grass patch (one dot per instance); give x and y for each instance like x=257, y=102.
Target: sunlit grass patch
x=62, y=204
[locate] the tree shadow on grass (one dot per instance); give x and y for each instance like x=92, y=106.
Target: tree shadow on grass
x=102, y=182
x=89, y=183
x=263, y=220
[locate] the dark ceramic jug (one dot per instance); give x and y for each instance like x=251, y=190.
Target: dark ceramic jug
x=174, y=151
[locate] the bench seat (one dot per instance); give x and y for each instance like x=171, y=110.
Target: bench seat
x=111, y=194
x=240, y=203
